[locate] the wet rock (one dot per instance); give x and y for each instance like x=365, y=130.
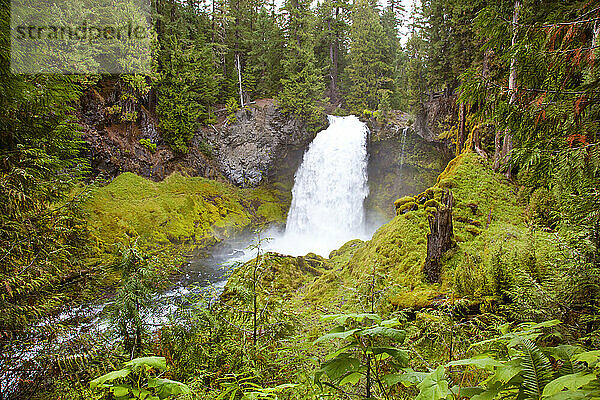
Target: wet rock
x=114, y=147
x=401, y=163
x=252, y=149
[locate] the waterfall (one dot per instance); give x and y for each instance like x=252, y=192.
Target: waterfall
x=403, y=143
x=330, y=187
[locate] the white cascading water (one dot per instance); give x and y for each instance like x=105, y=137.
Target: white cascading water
x=402, y=147
x=329, y=191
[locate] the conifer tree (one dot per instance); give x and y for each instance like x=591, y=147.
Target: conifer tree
x=391, y=21
x=331, y=31
x=302, y=86
x=189, y=82
x=264, y=70
x=40, y=162
x=368, y=70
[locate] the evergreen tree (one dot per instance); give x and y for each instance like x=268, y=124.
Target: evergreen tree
x=331, y=36
x=263, y=70
x=368, y=70
x=42, y=231
x=391, y=19
x=189, y=82
x=452, y=45
x=302, y=86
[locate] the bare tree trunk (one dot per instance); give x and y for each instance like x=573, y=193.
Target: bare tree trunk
x=440, y=237
x=504, y=145
x=460, y=141
x=239, y=68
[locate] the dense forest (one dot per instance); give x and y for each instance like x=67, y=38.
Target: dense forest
x=508, y=309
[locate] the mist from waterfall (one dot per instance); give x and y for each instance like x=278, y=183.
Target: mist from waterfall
x=330, y=187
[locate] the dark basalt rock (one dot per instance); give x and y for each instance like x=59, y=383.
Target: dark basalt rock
x=262, y=143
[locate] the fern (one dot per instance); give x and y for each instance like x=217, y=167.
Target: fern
x=537, y=370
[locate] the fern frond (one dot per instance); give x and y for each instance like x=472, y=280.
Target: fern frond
x=537, y=370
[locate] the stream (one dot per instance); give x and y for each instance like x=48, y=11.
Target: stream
x=327, y=210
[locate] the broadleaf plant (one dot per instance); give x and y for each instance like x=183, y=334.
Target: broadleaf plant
x=368, y=358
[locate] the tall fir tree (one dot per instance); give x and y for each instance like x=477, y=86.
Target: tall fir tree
x=188, y=78
x=368, y=70
x=331, y=36
x=302, y=86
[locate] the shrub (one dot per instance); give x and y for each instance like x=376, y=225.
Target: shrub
x=540, y=208
x=151, y=147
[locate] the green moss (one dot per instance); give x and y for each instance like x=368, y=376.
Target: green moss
x=402, y=201
x=177, y=211
x=148, y=145
x=270, y=212
x=346, y=248
x=499, y=243
x=406, y=207
x=473, y=230
x=430, y=210
x=432, y=203
x=417, y=298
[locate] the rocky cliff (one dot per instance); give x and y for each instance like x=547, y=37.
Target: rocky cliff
x=260, y=144
x=114, y=146
x=401, y=162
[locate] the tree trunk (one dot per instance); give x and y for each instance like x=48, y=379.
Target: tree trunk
x=462, y=111
x=504, y=145
x=239, y=68
x=440, y=237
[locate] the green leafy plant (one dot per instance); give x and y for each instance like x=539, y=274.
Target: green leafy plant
x=244, y=386
x=368, y=354
x=148, y=145
x=134, y=297
x=516, y=367
x=140, y=379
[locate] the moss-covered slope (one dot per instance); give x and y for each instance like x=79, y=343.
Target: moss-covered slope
x=492, y=239
x=178, y=210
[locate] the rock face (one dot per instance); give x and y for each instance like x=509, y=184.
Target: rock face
x=261, y=144
x=115, y=147
x=401, y=163
x=437, y=115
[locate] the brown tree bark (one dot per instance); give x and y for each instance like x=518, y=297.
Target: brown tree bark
x=440, y=237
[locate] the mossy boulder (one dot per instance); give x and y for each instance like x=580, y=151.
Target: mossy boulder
x=280, y=275
x=406, y=207
x=346, y=248
x=432, y=203
x=403, y=200
x=430, y=210
x=180, y=210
